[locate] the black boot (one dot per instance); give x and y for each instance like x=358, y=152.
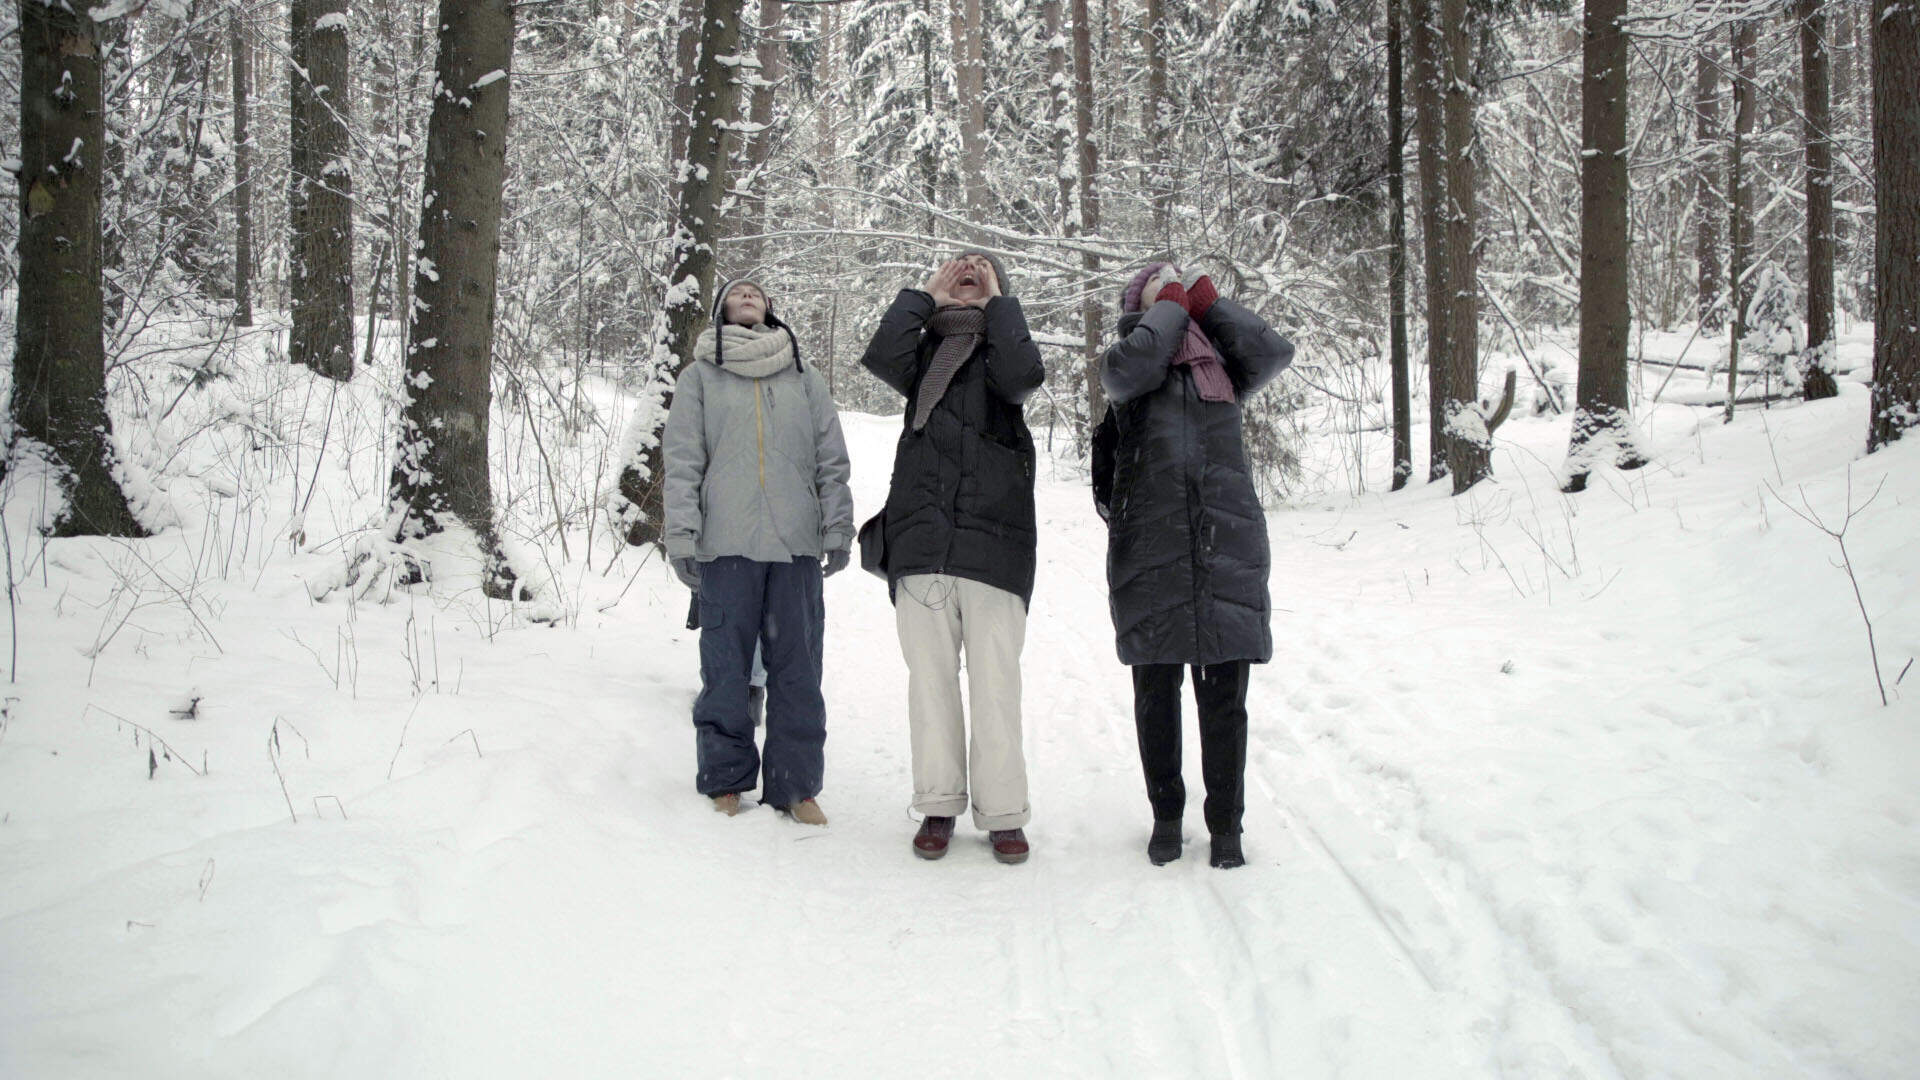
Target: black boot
x=1226, y=851
x=1164, y=847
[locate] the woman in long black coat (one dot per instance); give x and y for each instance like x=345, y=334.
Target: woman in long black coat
x=1187, y=555
x=956, y=543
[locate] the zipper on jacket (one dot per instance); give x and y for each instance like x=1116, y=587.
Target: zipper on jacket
x=760, y=438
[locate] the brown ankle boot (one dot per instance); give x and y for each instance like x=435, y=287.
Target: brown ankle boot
x=806, y=812
x=1009, y=845
x=728, y=804
x=931, y=841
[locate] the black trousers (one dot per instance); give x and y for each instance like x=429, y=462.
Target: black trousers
x=1220, y=690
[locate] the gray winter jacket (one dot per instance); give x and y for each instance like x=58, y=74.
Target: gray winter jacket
x=755, y=467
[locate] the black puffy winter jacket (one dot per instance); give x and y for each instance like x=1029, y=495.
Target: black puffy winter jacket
x=1187, y=556
x=961, y=497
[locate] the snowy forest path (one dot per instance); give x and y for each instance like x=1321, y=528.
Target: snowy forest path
x=1287, y=967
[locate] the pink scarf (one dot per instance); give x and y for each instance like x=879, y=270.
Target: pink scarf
x=1196, y=353
x=1209, y=374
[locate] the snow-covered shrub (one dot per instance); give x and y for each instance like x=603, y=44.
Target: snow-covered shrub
x=1775, y=332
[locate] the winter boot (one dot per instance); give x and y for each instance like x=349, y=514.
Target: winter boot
x=806, y=812
x=1164, y=847
x=1226, y=851
x=1009, y=845
x=728, y=804
x=931, y=841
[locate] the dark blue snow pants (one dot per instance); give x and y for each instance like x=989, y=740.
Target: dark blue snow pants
x=778, y=605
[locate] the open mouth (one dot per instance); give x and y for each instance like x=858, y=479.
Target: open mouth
x=968, y=280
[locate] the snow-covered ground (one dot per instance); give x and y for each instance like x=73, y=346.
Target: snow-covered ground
x=1539, y=786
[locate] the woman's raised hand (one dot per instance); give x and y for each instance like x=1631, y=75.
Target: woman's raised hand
x=940, y=285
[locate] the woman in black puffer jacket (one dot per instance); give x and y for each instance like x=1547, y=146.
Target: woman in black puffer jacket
x=956, y=542
x=1187, y=556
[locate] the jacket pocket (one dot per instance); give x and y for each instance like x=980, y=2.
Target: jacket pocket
x=998, y=486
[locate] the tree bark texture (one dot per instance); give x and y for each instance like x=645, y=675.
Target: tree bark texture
x=187, y=211
x=929, y=164
x=320, y=195
x=690, y=280
x=970, y=78
x=59, y=360
x=1708, y=206
x=1601, y=419
x=1739, y=199
x=1817, y=365
x=1397, y=254
x=1059, y=110
x=686, y=54
x=1896, y=259
x=1159, y=182
x=771, y=52
x=242, y=173
x=1089, y=218
x=114, y=51
x=1429, y=123
x=440, y=475
x=1469, y=445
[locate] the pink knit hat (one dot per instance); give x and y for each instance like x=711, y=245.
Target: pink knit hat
x=1130, y=299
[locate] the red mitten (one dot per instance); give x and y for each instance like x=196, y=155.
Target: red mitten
x=1173, y=291
x=1200, y=297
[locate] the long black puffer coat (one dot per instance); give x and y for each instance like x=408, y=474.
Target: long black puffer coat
x=961, y=497
x=1187, y=556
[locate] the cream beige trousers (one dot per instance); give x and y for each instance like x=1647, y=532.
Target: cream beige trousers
x=938, y=617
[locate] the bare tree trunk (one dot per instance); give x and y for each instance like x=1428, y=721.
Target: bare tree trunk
x=1708, y=208
x=320, y=199
x=440, y=474
x=829, y=75
x=1740, y=199
x=686, y=53
x=1817, y=366
x=1089, y=157
x=771, y=52
x=397, y=190
x=690, y=280
x=971, y=84
x=1059, y=106
x=242, y=172
x=1397, y=254
x=113, y=49
x=1601, y=420
x=1469, y=444
x=929, y=167
x=383, y=87
x=1842, y=110
x=1896, y=182
x=1159, y=184
x=59, y=359
x=1429, y=124
x=187, y=209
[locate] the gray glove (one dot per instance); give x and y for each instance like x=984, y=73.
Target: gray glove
x=836, y=561
x=687, y=569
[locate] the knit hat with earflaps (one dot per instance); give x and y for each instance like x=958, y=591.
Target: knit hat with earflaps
x=719, y=316
x=999, y=269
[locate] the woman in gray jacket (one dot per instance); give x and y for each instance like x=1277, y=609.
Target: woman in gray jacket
x=758, y=511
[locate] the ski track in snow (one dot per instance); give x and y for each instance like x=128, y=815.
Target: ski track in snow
x=1496, y=825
